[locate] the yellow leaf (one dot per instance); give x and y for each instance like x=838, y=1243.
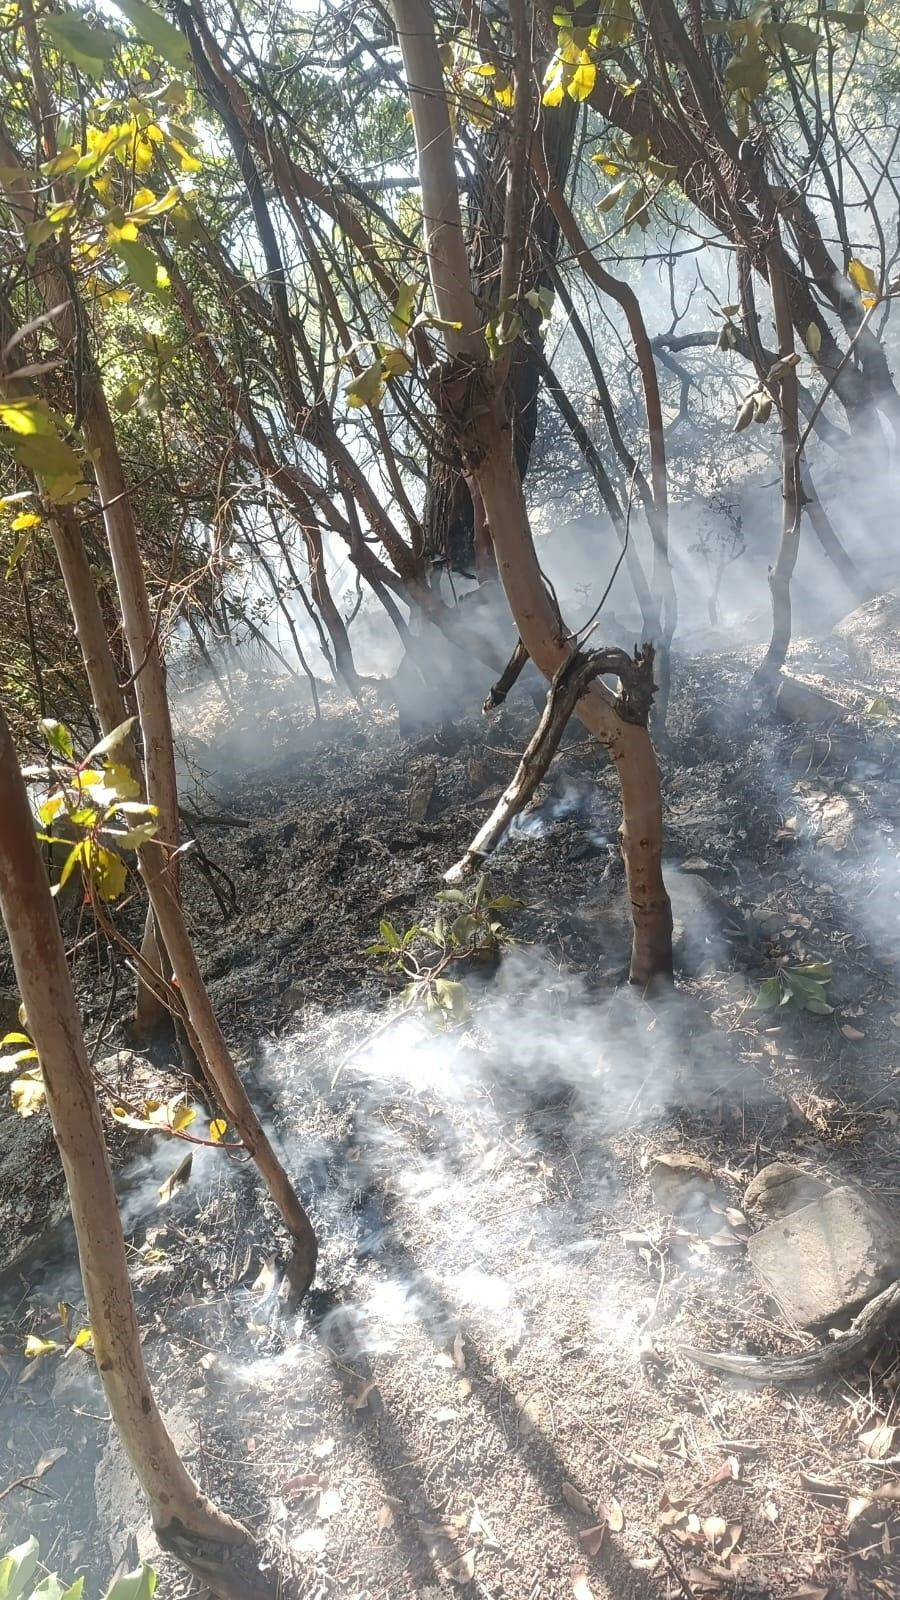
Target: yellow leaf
x=26, y=416
x=366, y=389
x=183, y=1118
x=12, y=1063
x=143, y=197
x=27, y=1093
x=188, y=162
x=395, y=363
x=122, y=783
x=105, y=869
x=862, y=276
x=813, y=339
x=82, y=1338
x=218, y=1130
x=584, y=77
x=554, y=95
x=28, y=519
x=39, y=1347
x=504, y=94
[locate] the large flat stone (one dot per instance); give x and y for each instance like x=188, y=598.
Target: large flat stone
x=823, y=1262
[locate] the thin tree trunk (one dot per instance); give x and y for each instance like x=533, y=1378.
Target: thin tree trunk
x=486, y=445
x=208, y=1040
x=782, y=572
x=183, y=1517
x=150, y=1016
x=158, y=861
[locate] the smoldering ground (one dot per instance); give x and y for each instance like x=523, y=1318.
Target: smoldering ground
x=500, y=1295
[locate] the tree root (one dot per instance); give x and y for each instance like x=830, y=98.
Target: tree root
x=871, y=1323
x=569, y=684
x=230, y=1571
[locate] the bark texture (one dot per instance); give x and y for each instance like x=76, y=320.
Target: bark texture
x=178, y=1507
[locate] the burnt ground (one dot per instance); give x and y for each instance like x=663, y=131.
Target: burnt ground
x=484, y=1392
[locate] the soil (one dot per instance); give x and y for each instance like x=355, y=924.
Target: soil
x=483, y=1393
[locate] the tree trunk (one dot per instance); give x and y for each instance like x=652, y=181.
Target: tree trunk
x=782, y=572
x=159, y=864
x=151, y=1016
x=449, y=514
x=182, y=1514
x=208, y=1040
x=485, y=442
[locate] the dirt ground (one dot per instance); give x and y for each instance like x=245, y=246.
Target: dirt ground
x=484, y=1393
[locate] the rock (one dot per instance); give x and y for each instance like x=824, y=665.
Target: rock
x=682, y=1185
x=834, y=823
x=779, y=1189
x=122, y=1510
x=871, y=636
x=823, y=1262
x=801, y=702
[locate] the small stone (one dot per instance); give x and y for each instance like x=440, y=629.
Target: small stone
x=823, y=1262
x=682, y=1184
x=779, y=1189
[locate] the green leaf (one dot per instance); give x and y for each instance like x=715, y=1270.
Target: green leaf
x=464, y=929
x=613, y=196
x=748, y=72
x=58, y=737
x=504, y=902
x=137, y=1585
x=367, y=389
x=140, y=263
x=401, y=317
x=451, y=997
x=815, y=969
x=453, y=897
x=161, y=36
x=71, y=862
x=745, y=415
x=113, y=740
x=852, y=21
x=805, y=41
x=26, y=416
x=54, y=461
x=86, y=44
x=769, y=994
x=390, y=935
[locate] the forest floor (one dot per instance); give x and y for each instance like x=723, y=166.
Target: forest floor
x=483, y=1393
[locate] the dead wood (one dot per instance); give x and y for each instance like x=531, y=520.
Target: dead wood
x=635, y=675
x=872, y=1323
x=508, y=677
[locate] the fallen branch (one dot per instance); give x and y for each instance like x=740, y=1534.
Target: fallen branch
x=633, y=705
x=871, y=1323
